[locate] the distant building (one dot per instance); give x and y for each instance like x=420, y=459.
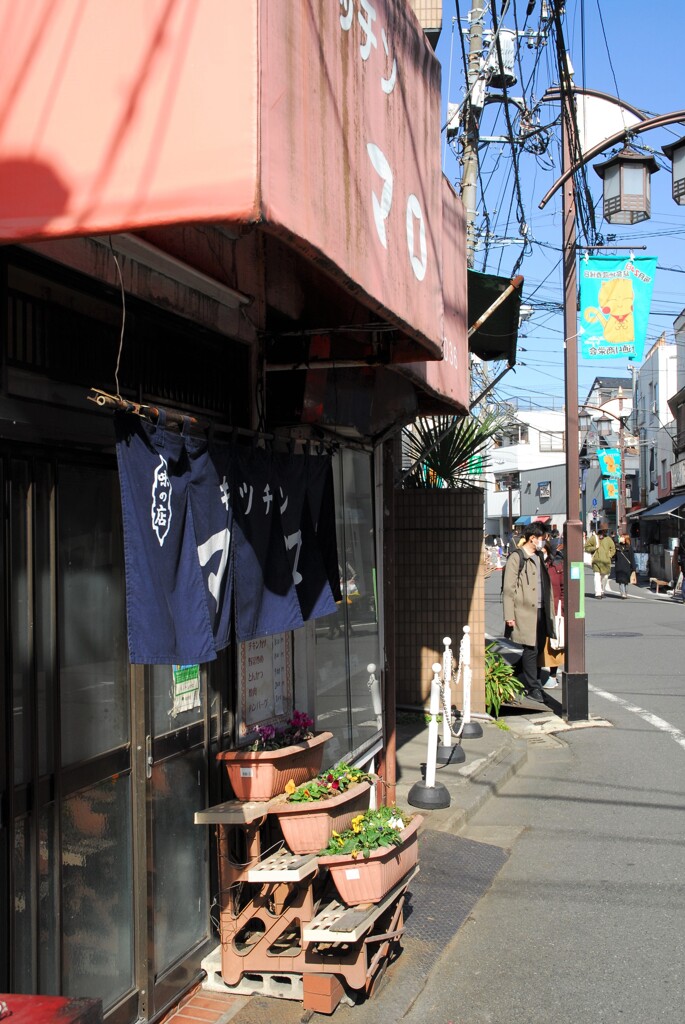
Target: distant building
x=523, y=463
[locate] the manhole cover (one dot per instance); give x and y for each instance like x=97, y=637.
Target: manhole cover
x=621, y=632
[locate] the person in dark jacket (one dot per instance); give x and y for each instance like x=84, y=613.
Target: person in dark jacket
x=625, y=564
x=680, y=551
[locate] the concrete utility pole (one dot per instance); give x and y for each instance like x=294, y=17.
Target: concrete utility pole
x=621, y=507
x=574, y=681
x=472, y=108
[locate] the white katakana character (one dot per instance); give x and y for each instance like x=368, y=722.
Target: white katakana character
x=366, y=21
x=420, y=262
x=347, y=15
x=225, y=493
x=284, y=506
x=242, y=491
x=388, y=84
x=267, y=498
x=381, y=207
x=220, y=541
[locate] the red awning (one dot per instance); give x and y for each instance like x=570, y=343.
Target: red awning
x=318, y=122
x=448, y=380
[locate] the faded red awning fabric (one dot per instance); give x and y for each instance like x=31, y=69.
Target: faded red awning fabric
x=219, y=113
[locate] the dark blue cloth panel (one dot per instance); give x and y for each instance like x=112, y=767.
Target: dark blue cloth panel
x=321, y=499
x=168, y=622
x=266, y=599
x=306, y=562
x=211, y=471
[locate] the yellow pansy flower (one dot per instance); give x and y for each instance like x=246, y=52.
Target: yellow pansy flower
x=290, y=787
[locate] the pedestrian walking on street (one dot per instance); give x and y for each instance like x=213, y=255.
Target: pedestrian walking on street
x=625, y=565
x=552, y=656
x=680, y=558
x=527, y=602
x=603, y=549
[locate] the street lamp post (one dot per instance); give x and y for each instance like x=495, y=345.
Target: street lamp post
x=574, y=692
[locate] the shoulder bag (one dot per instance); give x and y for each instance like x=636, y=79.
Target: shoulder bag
x=557, y=642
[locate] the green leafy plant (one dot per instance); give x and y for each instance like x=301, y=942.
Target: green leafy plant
x=501, y=684
x=326, y=785
x=369, y=831
x=448, y=451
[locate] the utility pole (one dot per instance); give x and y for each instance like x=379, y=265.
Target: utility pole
x=478, y=376
x=621, y=505
x=574, y=681
x=473, y=108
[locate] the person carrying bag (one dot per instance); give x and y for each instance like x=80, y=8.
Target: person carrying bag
x=625, y=566
x=601, y=559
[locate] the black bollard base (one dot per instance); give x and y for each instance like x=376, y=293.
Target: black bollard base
x=428, y=798
x=450, y=755
x=472, y=731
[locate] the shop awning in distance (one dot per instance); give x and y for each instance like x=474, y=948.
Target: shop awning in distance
x=665, y=509
x=495, y=337
x=523, y=521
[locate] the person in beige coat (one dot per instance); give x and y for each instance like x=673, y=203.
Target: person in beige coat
x=603, y=549
x=527, y=601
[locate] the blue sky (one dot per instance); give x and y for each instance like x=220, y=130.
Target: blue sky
x=631, y=50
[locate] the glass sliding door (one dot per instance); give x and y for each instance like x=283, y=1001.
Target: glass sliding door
x=347, y=642
x=178, y=864
x=96, y=862
x=105, y=876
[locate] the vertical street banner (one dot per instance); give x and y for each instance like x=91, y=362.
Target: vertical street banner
x=615, y=299
x=609, y=462
x=609, y=489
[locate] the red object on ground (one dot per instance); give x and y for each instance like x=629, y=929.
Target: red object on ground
x=52, y=1009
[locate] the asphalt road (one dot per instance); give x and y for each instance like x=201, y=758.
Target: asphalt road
x=586, y=920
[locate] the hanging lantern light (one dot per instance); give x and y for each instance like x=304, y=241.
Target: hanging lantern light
x=676, y=154
x=626, y=179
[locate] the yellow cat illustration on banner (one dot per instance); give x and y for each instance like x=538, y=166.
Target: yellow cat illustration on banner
x=613, y=466
x=616, y=300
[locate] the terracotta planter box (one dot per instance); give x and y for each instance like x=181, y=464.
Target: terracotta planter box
x=263, y=774
x=307, y=827
x=367, y=881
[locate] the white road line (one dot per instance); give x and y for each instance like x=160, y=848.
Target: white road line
x=647, y=716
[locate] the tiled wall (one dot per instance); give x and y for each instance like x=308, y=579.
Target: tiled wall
x=439, y=587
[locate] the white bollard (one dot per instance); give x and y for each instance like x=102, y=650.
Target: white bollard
x=470, y=729
x=433, y=711
x=449, y=751
x=429, y=794
x=447, y=689
x=375, y=691
x=466, y=672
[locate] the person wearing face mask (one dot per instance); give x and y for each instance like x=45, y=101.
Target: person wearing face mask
x=527, y=603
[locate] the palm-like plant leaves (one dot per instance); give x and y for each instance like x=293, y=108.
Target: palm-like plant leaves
x=442, y=449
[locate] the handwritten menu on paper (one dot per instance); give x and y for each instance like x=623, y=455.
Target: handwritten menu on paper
x=265, y=682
